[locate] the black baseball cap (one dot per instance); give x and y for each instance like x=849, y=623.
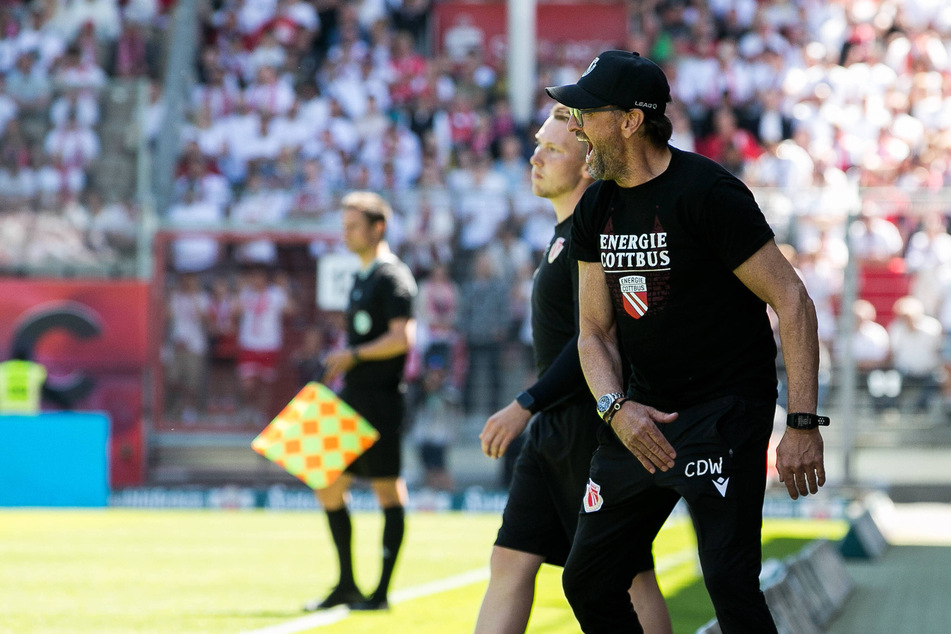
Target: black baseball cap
x=617, y=78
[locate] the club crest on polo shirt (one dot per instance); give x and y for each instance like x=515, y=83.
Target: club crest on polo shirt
x=555, y=249
x=592, y=497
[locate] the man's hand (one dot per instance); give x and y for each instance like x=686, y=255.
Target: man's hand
x=635, y=425
x=799, y=461
x=338, y=362
x=502, y=428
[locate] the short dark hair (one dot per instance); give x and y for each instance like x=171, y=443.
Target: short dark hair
x=658, y=130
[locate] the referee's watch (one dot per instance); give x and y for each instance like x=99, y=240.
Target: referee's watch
x=800, y=420
x=606, y=401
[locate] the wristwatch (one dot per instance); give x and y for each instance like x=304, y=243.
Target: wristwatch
x=526, y=401
x=606, y=401
x=806, y=421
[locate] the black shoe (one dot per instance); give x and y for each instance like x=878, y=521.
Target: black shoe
x=339, y=596
x=370, y=604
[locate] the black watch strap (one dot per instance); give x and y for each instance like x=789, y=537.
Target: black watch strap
x=800, y=420
x=526, y=401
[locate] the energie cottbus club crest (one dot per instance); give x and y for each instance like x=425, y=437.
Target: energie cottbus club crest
x=634, y=292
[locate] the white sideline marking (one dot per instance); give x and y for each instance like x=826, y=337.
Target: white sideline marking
x=339, y=613
x=334, y=615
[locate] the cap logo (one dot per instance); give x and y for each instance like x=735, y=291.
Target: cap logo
x=591, y=67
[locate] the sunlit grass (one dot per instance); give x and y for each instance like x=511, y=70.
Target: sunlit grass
x=118, y=570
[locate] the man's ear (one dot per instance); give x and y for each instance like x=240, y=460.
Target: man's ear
x=379, y=227
x=632, y=122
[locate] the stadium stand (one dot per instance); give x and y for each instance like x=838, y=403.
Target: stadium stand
x=824, y=109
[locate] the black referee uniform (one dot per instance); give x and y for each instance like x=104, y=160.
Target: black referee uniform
x=375, y=388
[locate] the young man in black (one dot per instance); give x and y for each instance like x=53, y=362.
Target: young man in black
x=380, y=332
x=677, y=265
x=550, y=474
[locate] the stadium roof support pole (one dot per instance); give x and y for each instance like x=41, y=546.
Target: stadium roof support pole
x=178, y=80
x=521, y=58
x=847, y=371
x=143, y=194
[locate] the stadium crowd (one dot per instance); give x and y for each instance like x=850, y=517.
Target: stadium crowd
x=824, y=108
x=56, y=58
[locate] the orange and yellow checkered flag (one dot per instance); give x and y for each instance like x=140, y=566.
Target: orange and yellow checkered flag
x=316, y=436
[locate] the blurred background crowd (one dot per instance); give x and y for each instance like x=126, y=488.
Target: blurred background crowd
x=827, y=109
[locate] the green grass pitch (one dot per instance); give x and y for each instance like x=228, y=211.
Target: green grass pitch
x=123, y=570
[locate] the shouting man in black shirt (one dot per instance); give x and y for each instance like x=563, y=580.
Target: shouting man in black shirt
x=549, y=479
x=677, y=265
x=380, y=332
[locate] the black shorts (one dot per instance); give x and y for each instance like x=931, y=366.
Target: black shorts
x=720, y=471
x=549, y=482
x=384, y=408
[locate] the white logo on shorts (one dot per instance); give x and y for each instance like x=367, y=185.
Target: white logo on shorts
x=721, y=484
x=592, y=497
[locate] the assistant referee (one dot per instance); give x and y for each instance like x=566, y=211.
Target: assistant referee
x=380, y=332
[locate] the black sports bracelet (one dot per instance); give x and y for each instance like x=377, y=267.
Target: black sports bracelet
x=615, y=408
x=800, y=420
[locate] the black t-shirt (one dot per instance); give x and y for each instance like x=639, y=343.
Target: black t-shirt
x=554, y=303
x=383, y=293
x=668, y=247
x=555, y=326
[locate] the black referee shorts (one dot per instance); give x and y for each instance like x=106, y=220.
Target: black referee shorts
x=384, y=408
x=548, y=484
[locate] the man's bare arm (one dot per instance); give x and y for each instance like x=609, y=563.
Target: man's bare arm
x=799, y=456
x=635, y=424
x=397, y=340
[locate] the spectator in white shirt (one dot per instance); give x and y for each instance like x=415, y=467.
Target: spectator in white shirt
x=928, y=258
x=261, y=308
x=187, y=313
x=194, y=253
x=72, y=72
x=83, y=107
x=29, y=86
x=873, y=239
x=75, y=145
x=259, y=205
x=219, y=93
x=916, y=341
x=270, y=93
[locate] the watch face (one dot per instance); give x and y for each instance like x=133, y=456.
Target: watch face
x=604, y=403
x=801, y=421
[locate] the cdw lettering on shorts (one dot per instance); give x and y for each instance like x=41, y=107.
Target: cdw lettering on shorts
x=709, y=467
